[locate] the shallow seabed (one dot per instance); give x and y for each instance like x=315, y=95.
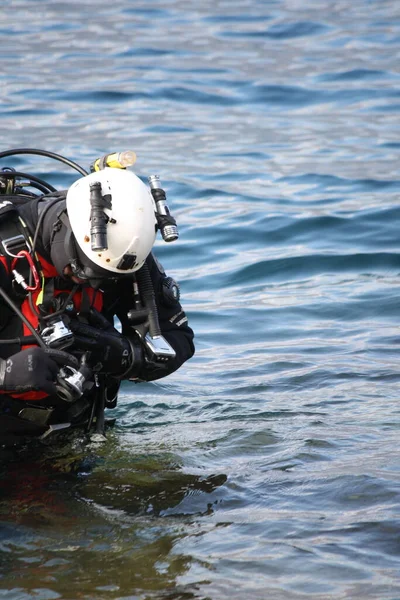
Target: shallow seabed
x=268, y=466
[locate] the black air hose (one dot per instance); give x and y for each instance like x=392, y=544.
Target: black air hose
x=146, y=289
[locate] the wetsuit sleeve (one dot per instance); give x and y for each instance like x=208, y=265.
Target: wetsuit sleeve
x=173, y=324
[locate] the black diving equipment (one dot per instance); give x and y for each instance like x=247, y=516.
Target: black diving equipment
x=116, y=160
x=8, y=185
x=73, y=383
x=149, y=331
x=21, y=181
x=98, y=218
x=165, y=220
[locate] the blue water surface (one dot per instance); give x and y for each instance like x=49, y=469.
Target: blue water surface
x=268, y=465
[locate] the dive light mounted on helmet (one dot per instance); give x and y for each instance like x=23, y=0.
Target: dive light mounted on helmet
x=165, y=220
x=98, y=218
x=115, y=160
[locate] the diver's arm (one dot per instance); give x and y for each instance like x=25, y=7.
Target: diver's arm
x=173, y=324
x=172, y=320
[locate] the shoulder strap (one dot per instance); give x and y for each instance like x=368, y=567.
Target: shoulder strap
x=6, y=206
x=12, y=219
x=14, y=238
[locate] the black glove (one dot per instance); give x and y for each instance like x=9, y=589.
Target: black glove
x=110, y=352
x=33, y=369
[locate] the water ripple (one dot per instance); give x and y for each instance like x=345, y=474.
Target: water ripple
x=268, y=465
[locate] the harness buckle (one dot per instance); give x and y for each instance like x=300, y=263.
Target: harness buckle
x=15, y=244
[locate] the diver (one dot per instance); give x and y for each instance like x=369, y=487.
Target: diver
x=84, y=302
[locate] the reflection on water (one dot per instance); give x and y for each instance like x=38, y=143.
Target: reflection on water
x=95, y=518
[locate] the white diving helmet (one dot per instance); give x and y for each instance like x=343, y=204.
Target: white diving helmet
x=113, y=222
